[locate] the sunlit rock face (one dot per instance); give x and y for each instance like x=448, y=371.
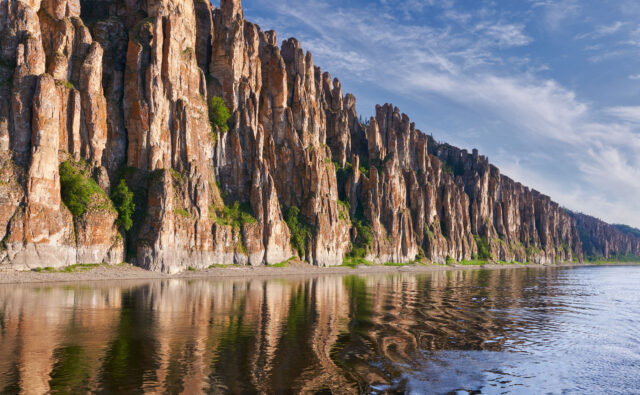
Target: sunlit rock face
x=124, y=87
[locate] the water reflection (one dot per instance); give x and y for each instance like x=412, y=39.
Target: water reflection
x=491, y=331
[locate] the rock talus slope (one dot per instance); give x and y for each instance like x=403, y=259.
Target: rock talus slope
x=122, y=90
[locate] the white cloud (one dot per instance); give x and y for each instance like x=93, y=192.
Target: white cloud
x=507, y=35
x=557, y=12
x=627, y=114
x=602, y=31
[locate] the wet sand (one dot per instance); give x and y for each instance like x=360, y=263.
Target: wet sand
x=130, y=272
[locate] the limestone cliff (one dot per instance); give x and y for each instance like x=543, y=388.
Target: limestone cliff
x=122, y=90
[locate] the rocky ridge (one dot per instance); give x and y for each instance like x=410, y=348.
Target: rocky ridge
x=121, y=89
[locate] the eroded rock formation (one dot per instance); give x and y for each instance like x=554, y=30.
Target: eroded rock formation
x=122, y=89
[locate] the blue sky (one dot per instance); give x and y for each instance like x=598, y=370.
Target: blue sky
x=549, y=90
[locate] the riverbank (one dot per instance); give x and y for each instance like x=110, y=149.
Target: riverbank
x=85, y=273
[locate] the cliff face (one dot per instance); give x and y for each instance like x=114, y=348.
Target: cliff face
x=121, y=89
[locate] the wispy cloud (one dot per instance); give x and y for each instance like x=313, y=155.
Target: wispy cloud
x=557, y=12
x=627, y=114
x=602, y=31
x=505, y=35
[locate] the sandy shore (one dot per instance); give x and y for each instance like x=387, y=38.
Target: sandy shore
x=129, y=272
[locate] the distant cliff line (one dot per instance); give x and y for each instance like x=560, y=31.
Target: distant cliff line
x=173, y=134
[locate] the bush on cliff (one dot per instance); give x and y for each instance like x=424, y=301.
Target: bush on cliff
x=299, y=230
x=483, y=247
x=122, y=199
x=364, y=237
x=77, y=189
x=218, y=113
x=235, y=215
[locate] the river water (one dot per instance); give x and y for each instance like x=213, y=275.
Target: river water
x=547, y=330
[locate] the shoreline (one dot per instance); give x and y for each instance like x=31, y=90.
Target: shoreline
x=126, y=272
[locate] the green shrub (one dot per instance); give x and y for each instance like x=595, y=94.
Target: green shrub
x=483, y=247
x=235, y=215
x=343, y=210
x=77, y=189
x=122, y=199
x=218, y=113
x=300, y=231
x=364, y=237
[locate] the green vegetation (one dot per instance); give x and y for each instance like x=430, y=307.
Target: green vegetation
x=620, y=258
x=80, y=267
x=473, y=262
x=77, y=189
x=47, y=269
x=354, y=262
x=363, y=239
x=483, y=247
x=343, y=210
x=182, y=213
x=192, y=269
x=122, y=199
x=146, y=24
x=428, y=232
x=283, y=263
x=300, y=231
x=218, y=114
x=397, y=264
x=187, y=52
x=66, y=83
x=531, y=251
x=68, y=269
x=235, y=215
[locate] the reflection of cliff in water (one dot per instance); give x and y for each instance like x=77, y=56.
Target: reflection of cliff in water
x=343, y=334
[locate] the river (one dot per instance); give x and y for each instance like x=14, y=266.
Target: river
x=516, y=330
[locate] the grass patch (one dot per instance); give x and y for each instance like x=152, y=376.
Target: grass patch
x=182, y=213
x=354, y=262
x=80, y=267
x=283, y=263
x=220, y=266
x=397, y=264
x=47, y=269
x=473, y=262
x=192, y=269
